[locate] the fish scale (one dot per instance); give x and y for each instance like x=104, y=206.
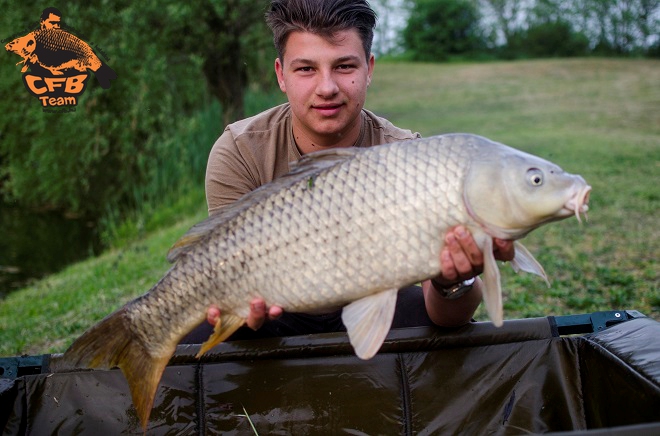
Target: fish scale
x=347, y=227
x=58, y=39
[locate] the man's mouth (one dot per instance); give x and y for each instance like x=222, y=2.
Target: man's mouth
x=327, y=109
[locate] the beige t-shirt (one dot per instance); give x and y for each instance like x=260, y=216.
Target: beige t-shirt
x=256, y=150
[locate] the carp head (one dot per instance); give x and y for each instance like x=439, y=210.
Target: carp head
x=23, y=46
x=510, y=193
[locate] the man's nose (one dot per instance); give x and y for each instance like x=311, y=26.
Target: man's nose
x=327, y=85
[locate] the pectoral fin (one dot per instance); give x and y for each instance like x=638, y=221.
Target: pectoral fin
x=524, y=261
x=368, y=320
x=224, y=327
x=492, y=293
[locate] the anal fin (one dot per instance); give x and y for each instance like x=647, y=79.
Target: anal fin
x=368, y=320
x=224, y=327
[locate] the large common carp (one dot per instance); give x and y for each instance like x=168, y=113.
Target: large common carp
x=347, y=227
x=57, y=51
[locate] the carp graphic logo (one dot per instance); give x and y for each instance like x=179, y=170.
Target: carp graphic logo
x=58, y=62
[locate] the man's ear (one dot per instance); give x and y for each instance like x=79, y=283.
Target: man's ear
x=279, y=72
x=371, y=64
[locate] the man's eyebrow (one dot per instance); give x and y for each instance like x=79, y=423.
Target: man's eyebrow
x=342, y=59
x=302, y=61
x=349, y=58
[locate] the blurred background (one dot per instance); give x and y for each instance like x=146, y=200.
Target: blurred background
x=131, y=159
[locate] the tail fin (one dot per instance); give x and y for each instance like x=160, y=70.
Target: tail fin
x=104, y=75
x=111, y=343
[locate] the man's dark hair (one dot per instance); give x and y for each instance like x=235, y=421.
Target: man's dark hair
x=322, y=17
x=46, y=13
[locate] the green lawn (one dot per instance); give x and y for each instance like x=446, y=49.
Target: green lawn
x=596, y=117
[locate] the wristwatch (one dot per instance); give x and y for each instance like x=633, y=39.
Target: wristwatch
x=455, y=291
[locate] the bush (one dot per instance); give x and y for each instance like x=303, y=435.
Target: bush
x=547, y=39
x=438, y=29
x=81, y=162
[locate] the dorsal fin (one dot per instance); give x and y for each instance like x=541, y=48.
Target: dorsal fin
x=310, y=165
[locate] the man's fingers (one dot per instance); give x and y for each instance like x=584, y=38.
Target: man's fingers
x=469, y=247
x=274, y=312
x=504, y=250
x=257, y=314
x=213, y=314
x=449, y=273
x=465, y=255
x=461, y=258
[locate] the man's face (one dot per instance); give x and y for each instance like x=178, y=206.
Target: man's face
x=326, y=84
x=53, y=22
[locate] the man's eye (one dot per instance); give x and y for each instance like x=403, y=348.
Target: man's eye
x=345, y=67
x=304, y=69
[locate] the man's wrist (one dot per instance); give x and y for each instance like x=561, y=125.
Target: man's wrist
x=454, y=291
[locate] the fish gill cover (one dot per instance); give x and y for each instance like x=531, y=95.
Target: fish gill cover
x=56, y=63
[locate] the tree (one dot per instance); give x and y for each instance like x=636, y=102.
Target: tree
x=163, y=52
x=230, y=37
x=508, y=15
x=437, y=29
x=236, y=31
x=552, y=38
x=391, y=21
x=610, y=26
x=623, y=26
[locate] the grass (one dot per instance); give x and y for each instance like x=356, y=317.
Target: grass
x=596, y=117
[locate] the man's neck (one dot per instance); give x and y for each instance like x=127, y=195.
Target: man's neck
x=307, y=143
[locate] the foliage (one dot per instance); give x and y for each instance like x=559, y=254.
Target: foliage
x=612, y=27
x=86, y=160
x=232, y=39
x=103, y=158
x=621, y=27
x=546, y=39
x=536, y=28
x=437, y=29
x=183, y=156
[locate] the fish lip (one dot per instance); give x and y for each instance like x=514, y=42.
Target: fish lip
x=578, y=204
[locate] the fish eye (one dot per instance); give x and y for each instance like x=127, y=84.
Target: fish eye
x=535, y=177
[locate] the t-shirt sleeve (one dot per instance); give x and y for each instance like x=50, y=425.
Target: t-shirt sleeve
x=228, y=177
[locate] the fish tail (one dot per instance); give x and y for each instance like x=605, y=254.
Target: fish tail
x=111, y=343
x=104, y=74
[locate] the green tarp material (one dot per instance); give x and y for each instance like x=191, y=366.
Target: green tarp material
x=519, y=379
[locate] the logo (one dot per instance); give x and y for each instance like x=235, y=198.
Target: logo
x=57, y=63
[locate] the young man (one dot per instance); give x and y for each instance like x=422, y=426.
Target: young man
x=325, y=66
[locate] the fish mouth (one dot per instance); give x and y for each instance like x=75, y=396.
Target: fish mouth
x=578, y=204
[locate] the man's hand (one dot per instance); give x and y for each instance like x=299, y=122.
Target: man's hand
x=259, y=313
x=461, y=258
